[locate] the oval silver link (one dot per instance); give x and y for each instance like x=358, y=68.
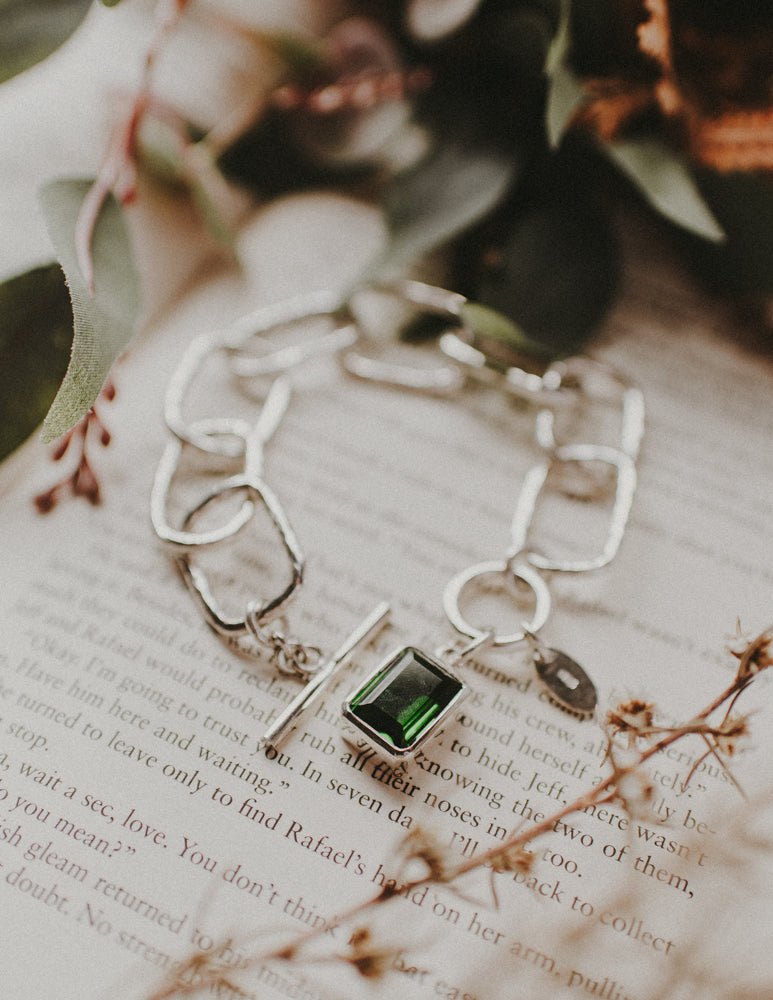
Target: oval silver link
x=284, y=358
x=441, y=378
x=231, y=340
x=270, y=417
x=458, y=346
x=539, y=389
x=254, y=441
x=582, y=370
x=525, y=507
x=199, y=349
x=625, y=487
x=432, y=297
x=162, y=484
x=292, y=310
x=196, y=580
x=523, y=572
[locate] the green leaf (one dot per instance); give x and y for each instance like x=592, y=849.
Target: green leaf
x=30, y=30
x=443, y=196
x=35, y=337
x=665, y=181
x=559, y=47
x=104, y=322
x=565, y=93
x=565, y=96
x=489, y=324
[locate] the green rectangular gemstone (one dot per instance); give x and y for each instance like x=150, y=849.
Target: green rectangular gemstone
x=403, y=701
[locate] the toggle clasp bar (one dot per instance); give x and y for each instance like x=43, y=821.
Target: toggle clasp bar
x=281, y=728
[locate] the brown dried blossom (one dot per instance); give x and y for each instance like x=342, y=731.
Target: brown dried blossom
x=422, y=847
x=728, y=735
x=200, y=967
x=633, y=719
x=635, y=790
x=513, y=858
x=369, y=960
x=82, y=481
x=754, y=656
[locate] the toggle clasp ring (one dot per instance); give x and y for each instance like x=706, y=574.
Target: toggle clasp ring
x=526, y=574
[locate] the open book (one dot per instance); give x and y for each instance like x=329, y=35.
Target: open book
x=143, y=823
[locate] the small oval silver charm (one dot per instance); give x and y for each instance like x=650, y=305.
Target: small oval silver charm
x=567, y=683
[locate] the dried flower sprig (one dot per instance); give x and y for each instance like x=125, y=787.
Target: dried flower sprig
x=422, y=861
x=82, y=481
x=369, y=959
x=755, y=655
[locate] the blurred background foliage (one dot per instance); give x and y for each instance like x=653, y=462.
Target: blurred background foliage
x=499, y=136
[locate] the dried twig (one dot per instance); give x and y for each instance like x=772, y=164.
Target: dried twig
x=634, y=722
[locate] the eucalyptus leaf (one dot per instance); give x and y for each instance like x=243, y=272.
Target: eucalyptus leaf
x=444, y=195
x=104, y=322
x=30, y=30
x=665, y=181
x=559, y=48
x=35, y=337
x=565, y=96
x=565, y=92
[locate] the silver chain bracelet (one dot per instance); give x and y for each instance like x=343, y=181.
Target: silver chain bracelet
x=407, y=697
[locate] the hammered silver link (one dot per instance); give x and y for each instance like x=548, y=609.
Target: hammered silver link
x=442, y=379
x=235, y=438
x=576, y=380
x=534, y=482
x=232, y=341
x=573, y=376
x=621, y=459
x=253, y=445
x=197, y=582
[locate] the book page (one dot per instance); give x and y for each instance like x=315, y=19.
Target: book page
x=143, y=820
